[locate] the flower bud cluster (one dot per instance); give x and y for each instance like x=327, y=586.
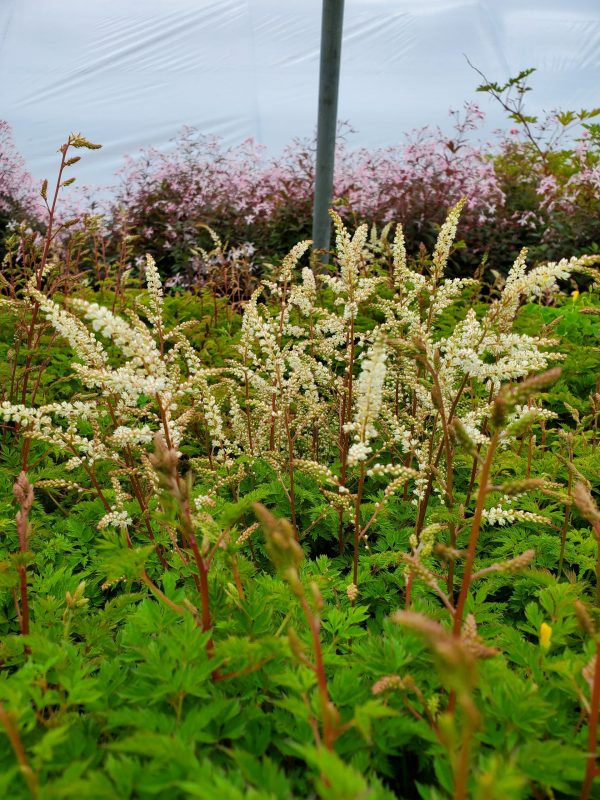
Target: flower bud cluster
x=125, y=435
x=116, y=519
x=503, y=516
x=352, y=592
x=387, y=683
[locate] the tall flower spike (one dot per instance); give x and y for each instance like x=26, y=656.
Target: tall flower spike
x=154, y=286
x=517, y=271
x=444, y=241
x=292, y=258
x=342, y=237
x=369, y=397
x=349, y=251
x=399, y=256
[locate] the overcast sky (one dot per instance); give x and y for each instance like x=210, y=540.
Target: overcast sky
x=130, y=73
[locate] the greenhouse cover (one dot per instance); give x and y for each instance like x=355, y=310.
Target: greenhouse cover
x=131, y=73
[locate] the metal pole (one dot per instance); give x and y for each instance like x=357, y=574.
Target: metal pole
x=329, y=78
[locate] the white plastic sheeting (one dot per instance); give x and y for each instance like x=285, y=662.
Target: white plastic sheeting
x=130, y=73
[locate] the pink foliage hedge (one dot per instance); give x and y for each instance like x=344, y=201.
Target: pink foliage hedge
x=514, y=197
x=18, y=195
x=517, y=193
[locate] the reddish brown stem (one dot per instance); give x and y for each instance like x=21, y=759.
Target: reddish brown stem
x=203, y=566
x=237, y=578
x=462, y=770
x=247, y=413
x=23, y=492
x=39, y=277
x=359, y=493
x=24, y=601
x=429, y=487
x=474, y=538
x=329, y=727
x=408, y=592
x=8, y=723
x=165, y=424
x=291, y=469
x=591, y=770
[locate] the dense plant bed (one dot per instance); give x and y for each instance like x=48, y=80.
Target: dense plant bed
x=338, y=541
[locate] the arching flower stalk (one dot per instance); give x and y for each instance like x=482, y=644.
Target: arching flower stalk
x=369, y=399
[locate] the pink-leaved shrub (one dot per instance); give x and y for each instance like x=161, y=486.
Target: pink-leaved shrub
x=18, y=196
x=517, y=194
x=533, y=186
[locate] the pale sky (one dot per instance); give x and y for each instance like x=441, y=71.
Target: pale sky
x=130, y=73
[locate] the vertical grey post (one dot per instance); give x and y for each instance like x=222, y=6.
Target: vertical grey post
x=329, y=78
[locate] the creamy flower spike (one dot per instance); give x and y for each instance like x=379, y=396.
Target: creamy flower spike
x=369, y=398
x=133, y=338
x=401, y=271
x=445, y=241
x=155, y=292
x=507, y=516
x=350, y=288
x=84, y=344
